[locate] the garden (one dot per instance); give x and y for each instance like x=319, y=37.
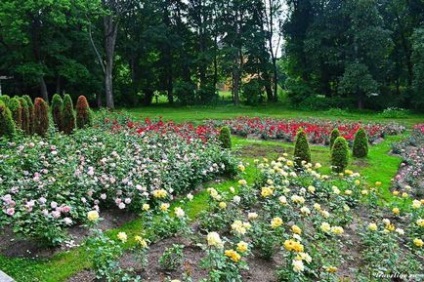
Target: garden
x=111, y=196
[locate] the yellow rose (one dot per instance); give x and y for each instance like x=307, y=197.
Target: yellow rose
x=233, y=255
x=146, y=207
x=242, y=247
x=93, y=215
x=164, y=207
x=325, y=227
x=122, y=236
x=222, y=205
x=296, y=229
x=418, y=242
x=214, y=240
x=276, y=222
x=372, y=227
x=396, y=211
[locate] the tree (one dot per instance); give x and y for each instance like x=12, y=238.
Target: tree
x=339, y=155
x=302, y=153
x=41, y=117
x=68, y=115
x=57, y=109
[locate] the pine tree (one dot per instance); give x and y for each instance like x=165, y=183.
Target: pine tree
x=68, y=115
x=302, y=153
x=339, y=154
x=57, y=105
x=83, y=112
x=41, y=117
x=360, y=144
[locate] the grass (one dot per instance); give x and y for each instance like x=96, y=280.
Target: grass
x=378, y=166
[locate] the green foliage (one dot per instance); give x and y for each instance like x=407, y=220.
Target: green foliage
x=360, y=144
x=68, y=115
x=30, y=113
x=25, y=116
x=225, y=137
x=418, y=59
x=393, y=112
x=5, y=99
x=16, y=109
x=302, y=153
x=172, y=257
x=185, y=92
x=41, y=117
x=339, y=155
x=7, y=126
x=83, y=117
x=334, y=134
x=56, y=108
x=253, y=92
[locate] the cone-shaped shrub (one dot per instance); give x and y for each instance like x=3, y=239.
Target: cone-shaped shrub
x=83, y=112
x=301, y=149
x=57, y=104
x=16, y=109
x=5, y=99
x=225, y=137
x=30, y=114
x=339, y=154
x=360, y=144
x=68, y=116
x=41, y=117
x=25, y=116
x=7, y=126
x=334, y=134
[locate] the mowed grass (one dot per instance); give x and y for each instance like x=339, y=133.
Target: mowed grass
x=378, y=166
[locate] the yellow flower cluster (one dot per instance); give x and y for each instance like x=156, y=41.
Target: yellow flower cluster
x=330, y=269
x=297, y=199
x=242, y=247
x=304, y=256
x=240, y=227
x=122, y=236
x=222, y=205
x=145, y=207
x=214, y=240
x=233, y=255
x=325, y=227
x=164, y=207
x=416, y=204
x=418, y=242
x=296, y=229
x=420, y=222
x=267, y=191
x=337, y=230
x=396, y=211
x=372, y=227
x=293, y=246
x=214, y=194
x=142, y=242
x=179, y=212
x=241, y=167
x=298, y=265
x=242, y=182
x=159, y=193
x=276, y=222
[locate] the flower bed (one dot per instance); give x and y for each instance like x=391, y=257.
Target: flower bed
x=48, y=184
x=304, y=226
x=318, y=131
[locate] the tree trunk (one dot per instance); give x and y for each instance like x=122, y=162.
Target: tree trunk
x=110, y=33
x=148, y=97
x=43, y=89
x=98, y=100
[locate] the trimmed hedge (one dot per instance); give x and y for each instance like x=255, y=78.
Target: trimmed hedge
x=25, y=116
x=30, y=113
x=360, y=144
x=83, y=118
x=68, y=115
x=225, y=137
x=339, y=155
x=7, y=126
x=41, y=117
x=302, y=152
x=57, y=105
x=16, y=109
x=334, y=134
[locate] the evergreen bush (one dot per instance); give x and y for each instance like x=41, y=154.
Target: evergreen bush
x=7, y=126
x=68, y=115
x=5, y=99
x=301, y=149
x=83, y=112
x=25, y=116
x=16, y=109
x=225, y=137
x=360, y=144
x=30, y=113
x=57, y=105
x=41, y=117
x=334, y=134
x=339, y=154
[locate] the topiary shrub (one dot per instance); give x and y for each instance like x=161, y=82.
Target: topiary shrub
x=301, y=149
x=41, y=117
x=16, y=109
x=360, y=144
x=57, y=105
x=339, y=154
x=5, y=99
x=30, y=114
x=7, y=126
x=83, y=112
x=25, y=116
x=225, y=137
x=334, y=134
x=68, y=115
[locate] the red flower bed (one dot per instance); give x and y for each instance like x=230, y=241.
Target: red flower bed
x=318, y=131
x=419, y=128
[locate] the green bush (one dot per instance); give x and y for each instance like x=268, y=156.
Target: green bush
x=360, y=144
x=225, y=137
x=334, y=134
x=16, y=109
x=301, y=149
x=68, y=115
x=83, y=112
x=5, y=99
x=25, y=116
x=7, y=126
x=339, y=155
x=31, y=113
x=41, y=117
x=57, y=104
